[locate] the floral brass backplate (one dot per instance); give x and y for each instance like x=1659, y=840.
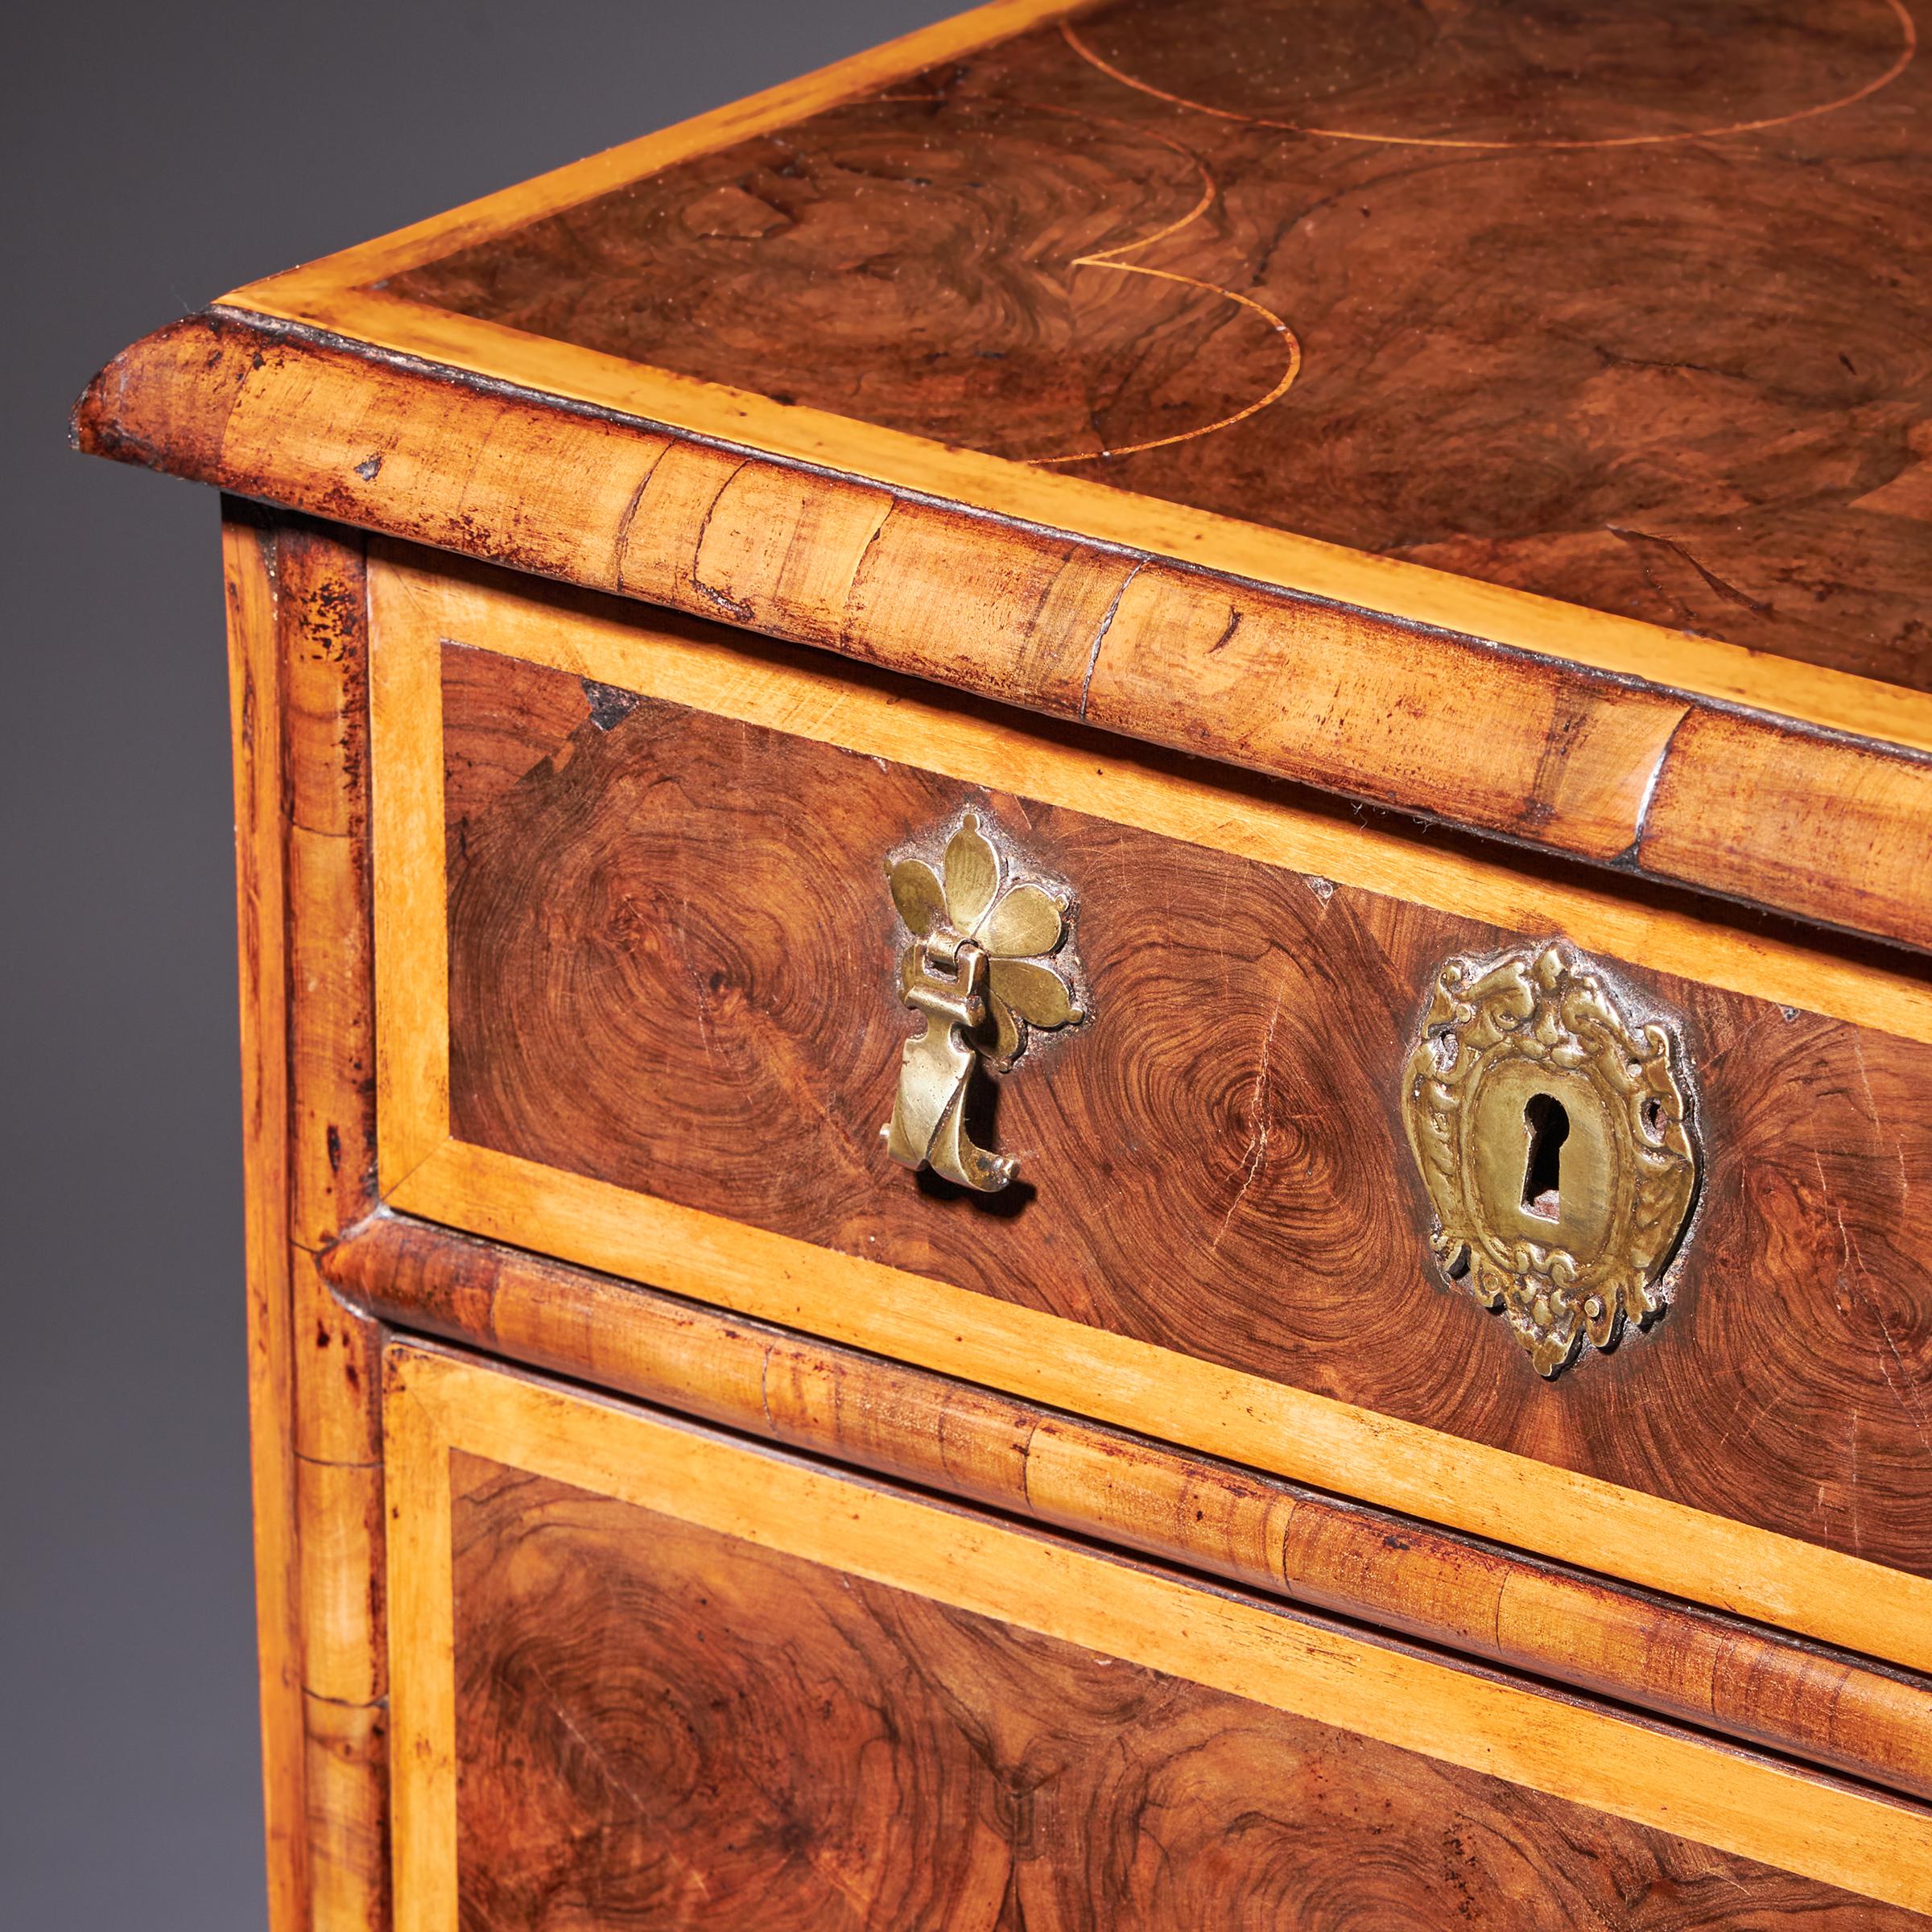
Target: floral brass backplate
x=1554, y=1138
x=989, y=960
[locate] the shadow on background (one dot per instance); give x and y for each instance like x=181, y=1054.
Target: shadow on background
x=157, y=157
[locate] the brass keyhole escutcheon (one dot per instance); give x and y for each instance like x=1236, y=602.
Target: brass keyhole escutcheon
x=1554, y=1138
x=989, y=963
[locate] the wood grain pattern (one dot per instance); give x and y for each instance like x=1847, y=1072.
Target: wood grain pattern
x=323, y=621
x=1800, y=1587
x=638, y=994
x=1186, y=348
x=656, y=1721
x=1058, y=259
x=1265, y=1425
x=1055, y=619
x=344, y=293
x=300, y=710
x=339, y=1522
x=1278, y=1537
x=255, y=687
x=1728, y=780
x=883, y=1554
x=417, y=602
x=348, y=1785
x=322, y=616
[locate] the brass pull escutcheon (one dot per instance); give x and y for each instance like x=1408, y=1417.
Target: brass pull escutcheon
x=980, y=971
x=1554, y=1137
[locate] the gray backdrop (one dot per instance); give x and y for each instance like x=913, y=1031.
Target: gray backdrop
x=157, y=156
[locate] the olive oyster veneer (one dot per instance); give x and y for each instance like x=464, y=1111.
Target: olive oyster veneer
x=1083, y=927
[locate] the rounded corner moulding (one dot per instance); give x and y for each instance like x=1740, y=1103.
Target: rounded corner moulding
x=428, y=451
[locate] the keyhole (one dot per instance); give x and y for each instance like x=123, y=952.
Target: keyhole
x=1549, y=1126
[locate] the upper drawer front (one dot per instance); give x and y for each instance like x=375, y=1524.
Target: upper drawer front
x=649, y=1676
x=638, y=1005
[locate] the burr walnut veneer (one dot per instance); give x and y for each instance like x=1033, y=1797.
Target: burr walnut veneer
x=1294, y=644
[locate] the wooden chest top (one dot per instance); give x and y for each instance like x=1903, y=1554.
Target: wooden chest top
x=1520, y=416
x=1613, y=304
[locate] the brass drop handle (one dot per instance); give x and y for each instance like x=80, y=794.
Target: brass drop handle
x=980, y=971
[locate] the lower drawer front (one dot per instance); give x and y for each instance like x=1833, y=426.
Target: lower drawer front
x=645, y=1674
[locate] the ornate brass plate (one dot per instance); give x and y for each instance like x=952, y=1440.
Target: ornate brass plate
x=980, y=972
x=1554, y=1139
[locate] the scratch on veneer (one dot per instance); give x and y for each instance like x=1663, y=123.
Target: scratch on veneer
x=1903, y=1388
x=620, y=544
x=1852, y=1488
x=697, y=981
x=858, y=569
x=1227, y=636
x=1729, y=592
x=1256, y=1154
x=1711, y=1061
x=590, y=1750
x=1100, y=637
x=1748, y=1417
x=1903, y=1385
x=1496, y=1621
x=1898, y=1149
x=1033, y=1431
x=1651, y=782
x=765, y=1390
x=724, y=600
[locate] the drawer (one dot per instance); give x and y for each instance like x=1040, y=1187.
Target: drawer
x=644, y=1674
x=637, y=1007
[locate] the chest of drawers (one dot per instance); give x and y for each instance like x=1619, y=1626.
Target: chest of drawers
x=1084, y=911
